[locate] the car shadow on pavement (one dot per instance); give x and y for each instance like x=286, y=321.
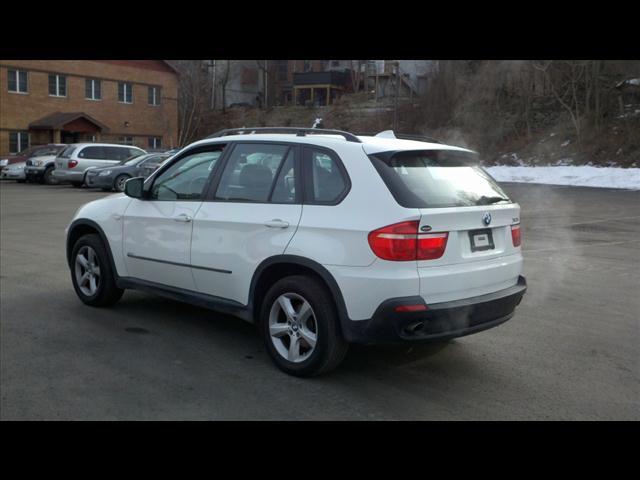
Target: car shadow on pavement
x=146, y=313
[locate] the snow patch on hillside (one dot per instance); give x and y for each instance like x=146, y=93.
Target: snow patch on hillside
x=578, y=176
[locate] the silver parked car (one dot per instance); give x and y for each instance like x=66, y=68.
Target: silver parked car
x=74, y=161
x=14, y=171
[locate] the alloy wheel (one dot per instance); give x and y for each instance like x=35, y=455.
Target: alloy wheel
x=87, y=271
x=120, y=183
x=293, y=327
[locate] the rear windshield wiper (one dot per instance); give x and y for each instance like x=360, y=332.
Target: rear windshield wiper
x=483, y=200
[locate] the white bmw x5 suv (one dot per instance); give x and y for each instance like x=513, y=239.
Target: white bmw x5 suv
x=320, y=237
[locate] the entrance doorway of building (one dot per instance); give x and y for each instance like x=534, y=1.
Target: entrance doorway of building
x=69, y=137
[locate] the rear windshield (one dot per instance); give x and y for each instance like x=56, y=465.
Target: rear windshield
x=67, y=152
x=437, y=179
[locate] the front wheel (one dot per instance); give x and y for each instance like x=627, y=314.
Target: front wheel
x=48, y=178
x=91, y=273
x=300, y=327
x=119, y=182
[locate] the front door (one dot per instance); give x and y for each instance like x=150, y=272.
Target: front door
x=252, y=215
x=157, y=230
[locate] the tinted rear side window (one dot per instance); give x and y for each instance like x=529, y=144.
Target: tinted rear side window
x=92, y=152
x=437, y=179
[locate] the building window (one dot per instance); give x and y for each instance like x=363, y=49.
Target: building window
x=155, y=142
x=335, y=63
x=154, y=95
x=93, y=89
x=125, y=92
x=307, y=65
x=57, y=85
x=126, y=140
x=17, y=80
x=18, y=141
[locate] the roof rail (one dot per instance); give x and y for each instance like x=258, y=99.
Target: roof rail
x=299, y=131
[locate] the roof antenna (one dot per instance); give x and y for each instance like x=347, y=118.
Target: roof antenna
x=386, y=134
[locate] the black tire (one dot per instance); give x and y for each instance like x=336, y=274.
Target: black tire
x=76, y=184
x=47, y=177
x=107, y=292
x=20, y=181
x=118, y=183
x=330, y=348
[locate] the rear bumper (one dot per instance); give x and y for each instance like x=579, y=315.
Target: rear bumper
x=441, y=321
x=68, y=176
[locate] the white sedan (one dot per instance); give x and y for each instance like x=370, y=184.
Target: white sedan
x=15, y=171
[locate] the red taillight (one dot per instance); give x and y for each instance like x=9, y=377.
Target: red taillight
x=515, y=235
x=72, y=163
x=402, y=242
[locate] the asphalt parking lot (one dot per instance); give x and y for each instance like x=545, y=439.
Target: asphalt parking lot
x=572, y=352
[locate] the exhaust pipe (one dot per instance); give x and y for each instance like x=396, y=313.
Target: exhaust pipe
x=414, y=327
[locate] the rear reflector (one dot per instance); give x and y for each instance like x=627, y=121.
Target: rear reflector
x=411, y=308
x=402, y=242
x=72, y=163
x=515, y=235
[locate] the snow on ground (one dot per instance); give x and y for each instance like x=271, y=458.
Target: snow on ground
x=579, y=176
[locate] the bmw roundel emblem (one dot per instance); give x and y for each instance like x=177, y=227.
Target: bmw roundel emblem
x=486, y=218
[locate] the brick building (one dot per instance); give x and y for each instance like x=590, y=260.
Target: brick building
x=67, y=101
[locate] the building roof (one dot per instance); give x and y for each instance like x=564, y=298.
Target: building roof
x=57, y=120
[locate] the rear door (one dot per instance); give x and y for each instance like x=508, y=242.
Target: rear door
x=94, y=156
x=250, y=215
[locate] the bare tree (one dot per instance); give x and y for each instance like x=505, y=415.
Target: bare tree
x=193, y=93
x=565, y=80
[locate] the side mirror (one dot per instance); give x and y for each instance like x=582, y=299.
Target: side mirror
x=133, y=187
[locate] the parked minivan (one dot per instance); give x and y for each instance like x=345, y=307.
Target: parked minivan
x=74, y=161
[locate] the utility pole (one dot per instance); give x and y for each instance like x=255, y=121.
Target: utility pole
x=396, y=69
x=213, y=85
x=266, y=85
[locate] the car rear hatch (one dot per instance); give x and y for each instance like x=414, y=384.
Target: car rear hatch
x=62, y=160
x=468, y=223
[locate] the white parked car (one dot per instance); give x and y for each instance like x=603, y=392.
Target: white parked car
x=14, y=171
x=72, y=163
x=320, y=237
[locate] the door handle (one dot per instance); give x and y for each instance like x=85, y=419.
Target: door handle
x=276, y=223
x=183, y=217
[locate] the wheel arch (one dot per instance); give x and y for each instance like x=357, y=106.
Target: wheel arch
x=84, y=226
x=274, y=268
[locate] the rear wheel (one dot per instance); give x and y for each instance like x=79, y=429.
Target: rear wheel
x=91, y=273
x=299, y=324
x=119, y=182
x=76, y=184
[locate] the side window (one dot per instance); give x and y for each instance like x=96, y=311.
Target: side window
x=186, y=179
x=327, y=181
x=250, y=172
x=92, y=152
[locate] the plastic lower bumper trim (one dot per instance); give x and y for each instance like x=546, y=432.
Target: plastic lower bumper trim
x=440, y=321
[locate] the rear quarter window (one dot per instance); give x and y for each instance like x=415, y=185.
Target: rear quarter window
x=326, y=180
